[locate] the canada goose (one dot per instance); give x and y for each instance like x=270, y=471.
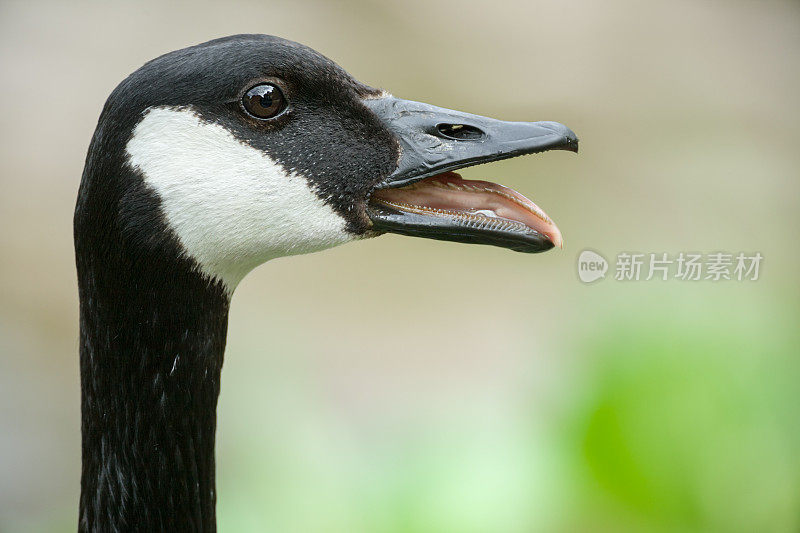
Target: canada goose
x=207, y=162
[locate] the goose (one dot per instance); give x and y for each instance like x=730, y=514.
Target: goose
x=207, y=162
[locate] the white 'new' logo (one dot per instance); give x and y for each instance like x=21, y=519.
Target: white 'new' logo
x=591, y=266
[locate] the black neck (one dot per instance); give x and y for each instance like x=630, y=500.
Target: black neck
x=152, y=340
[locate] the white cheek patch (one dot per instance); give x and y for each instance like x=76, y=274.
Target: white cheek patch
x=231, y=205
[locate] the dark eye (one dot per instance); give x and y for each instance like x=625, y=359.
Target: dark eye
x=264, y=101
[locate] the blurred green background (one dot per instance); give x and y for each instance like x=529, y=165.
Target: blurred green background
x=403, y=385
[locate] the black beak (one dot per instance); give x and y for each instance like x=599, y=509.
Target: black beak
x=433, y=141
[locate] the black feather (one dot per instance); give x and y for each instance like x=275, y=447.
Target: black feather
x=152, y=326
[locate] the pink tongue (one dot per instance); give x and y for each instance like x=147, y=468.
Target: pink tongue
x=448, y=191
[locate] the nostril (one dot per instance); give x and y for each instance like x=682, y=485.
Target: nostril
x=460, y=132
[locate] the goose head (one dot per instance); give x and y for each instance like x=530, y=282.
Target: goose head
x=242, y=149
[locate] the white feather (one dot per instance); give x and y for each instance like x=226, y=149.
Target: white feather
x=231, y=206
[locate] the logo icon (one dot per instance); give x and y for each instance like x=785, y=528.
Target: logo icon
x=591, y=266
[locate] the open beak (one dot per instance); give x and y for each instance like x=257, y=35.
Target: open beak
x=423, y=197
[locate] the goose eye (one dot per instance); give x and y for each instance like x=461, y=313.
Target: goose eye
x=264, y=101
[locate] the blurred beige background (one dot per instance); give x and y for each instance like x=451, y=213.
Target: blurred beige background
x=403, y=385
